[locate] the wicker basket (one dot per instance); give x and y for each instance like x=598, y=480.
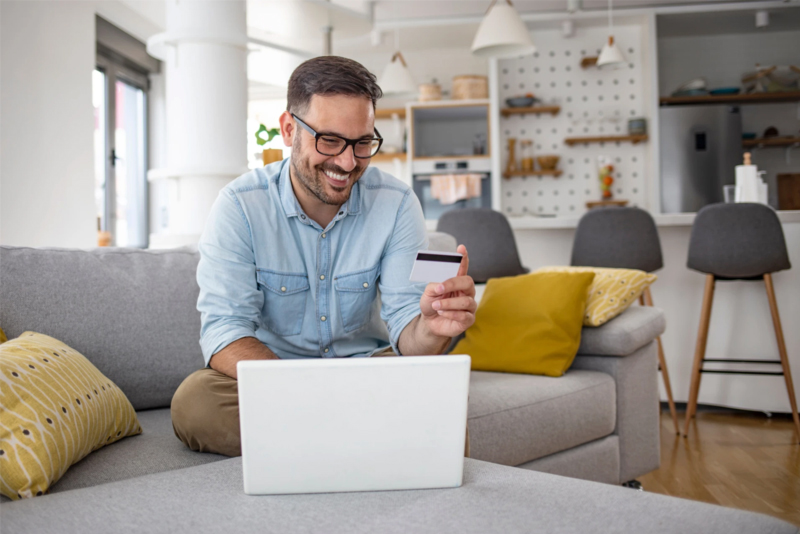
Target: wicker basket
x=429, y=92
x=470, y=86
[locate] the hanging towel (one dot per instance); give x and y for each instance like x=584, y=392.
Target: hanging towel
x=450, y=188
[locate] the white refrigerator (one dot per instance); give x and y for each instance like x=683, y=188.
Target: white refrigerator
x=700, y=146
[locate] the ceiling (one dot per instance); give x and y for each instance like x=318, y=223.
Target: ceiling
x=435, y=24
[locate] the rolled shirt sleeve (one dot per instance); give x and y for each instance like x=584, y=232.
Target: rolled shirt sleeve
x=399, y=296
x=230, y=301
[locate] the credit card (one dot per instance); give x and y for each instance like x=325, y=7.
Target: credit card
x=435, y=267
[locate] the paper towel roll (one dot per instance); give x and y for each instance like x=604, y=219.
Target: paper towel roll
x=746, y=183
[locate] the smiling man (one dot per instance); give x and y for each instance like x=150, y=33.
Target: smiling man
x=293, y=256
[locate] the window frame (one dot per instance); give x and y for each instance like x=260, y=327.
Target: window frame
x=117, y=69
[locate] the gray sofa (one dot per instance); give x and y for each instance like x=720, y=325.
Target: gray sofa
x=132, y=313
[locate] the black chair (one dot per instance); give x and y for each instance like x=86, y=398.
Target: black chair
x=737, y=242
x=489, y=241
x=623, y=238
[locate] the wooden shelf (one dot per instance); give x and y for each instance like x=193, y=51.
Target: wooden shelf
x=771, y=142
x=607, y=139
x=555, y=173
x=606, y=203
x=388, y=113
x=386, y=156
x=507, y=112
x=753, y=98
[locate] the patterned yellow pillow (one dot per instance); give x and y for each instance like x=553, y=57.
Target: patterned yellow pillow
x=56, y=408
x=611, y=292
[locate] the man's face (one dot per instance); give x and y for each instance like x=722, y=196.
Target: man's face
x=331, y=178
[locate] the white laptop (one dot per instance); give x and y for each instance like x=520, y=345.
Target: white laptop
x=353, y=424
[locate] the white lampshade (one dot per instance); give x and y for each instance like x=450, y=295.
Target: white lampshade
x=396, y=79
x=611, y=56
x=502, y=33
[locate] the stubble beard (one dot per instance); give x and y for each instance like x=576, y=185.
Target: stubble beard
x=312, y=180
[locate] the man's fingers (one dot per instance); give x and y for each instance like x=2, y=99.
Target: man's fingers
x=458, y=316
x=464, y=267
x=459, y=283
x=456, y=303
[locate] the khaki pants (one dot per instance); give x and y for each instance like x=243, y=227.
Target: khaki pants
x=205, y=413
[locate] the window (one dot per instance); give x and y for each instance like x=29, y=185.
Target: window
x=119, y=96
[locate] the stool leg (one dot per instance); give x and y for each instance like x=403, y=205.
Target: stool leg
x=662, y=362
x=699, y=351
x=787, y=373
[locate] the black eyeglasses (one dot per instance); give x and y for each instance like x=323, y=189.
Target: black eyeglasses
x=333, y=145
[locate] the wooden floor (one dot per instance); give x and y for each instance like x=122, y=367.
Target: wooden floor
x=745, y=461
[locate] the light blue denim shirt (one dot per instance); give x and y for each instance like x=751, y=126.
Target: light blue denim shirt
x=268, y=271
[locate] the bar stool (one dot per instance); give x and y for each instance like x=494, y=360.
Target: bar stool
x=624, y=238
x=737, y=242
x=489, y=241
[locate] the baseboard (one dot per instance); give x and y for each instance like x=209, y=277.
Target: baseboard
x=710, y=408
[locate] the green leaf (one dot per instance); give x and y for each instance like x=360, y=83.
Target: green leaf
x=271, y=133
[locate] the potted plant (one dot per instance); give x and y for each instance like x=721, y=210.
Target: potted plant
x=268, y=155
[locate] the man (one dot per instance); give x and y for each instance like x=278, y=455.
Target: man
x=293, y=255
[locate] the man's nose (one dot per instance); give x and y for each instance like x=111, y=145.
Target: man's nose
x=347, y=159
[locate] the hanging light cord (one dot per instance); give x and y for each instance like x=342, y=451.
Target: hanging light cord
x=610, y=19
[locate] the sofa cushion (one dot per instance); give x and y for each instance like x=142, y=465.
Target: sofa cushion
x=625, y=334
x=493, y=498
x=132, y=313
x=156, y=449
x=612, y=290
x=528, y=335
x=56, y=409
x=515, y=418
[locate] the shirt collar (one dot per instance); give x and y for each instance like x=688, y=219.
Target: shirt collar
x=292, y=207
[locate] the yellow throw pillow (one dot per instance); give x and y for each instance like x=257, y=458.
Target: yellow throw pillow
x=528, y=324
x=612, y=291
x=56, y=408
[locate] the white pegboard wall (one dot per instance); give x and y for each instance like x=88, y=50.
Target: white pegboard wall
x=593, y=102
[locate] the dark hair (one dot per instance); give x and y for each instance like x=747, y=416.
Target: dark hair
x=330, y=75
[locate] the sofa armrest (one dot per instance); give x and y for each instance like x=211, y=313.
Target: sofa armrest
x=637, y=425
x=625, y=334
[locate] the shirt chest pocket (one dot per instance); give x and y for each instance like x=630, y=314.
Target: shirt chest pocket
x=356, y=293
x=285, y=296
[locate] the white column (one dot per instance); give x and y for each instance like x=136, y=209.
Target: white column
x=205, y=53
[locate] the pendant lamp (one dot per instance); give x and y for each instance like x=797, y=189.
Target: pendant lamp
x=611, y=57
x=396, y=79
x=502, y=33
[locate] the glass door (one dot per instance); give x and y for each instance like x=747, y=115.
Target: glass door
x=120, y=100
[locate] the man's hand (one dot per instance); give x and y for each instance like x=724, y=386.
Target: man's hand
x=246, y=348
x=448, y=309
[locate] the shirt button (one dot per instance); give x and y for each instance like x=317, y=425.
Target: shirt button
x=323, y=236
x=283, y=289
x=341, y=212
x=327, y=349
x=322, y=277
x=323, y=318
x=366, y=284
x=303, y=217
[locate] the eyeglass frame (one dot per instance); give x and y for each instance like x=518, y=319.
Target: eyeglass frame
x=347, y=142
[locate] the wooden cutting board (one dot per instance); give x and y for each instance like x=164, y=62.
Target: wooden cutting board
x=789, y=191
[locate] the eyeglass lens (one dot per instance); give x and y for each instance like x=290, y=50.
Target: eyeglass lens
x=333, y=146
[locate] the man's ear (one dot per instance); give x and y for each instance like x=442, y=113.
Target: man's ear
x=287, y=128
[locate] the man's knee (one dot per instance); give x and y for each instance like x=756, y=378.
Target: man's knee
x=205, y=413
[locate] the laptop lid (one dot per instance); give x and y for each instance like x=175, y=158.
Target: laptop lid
x=353, y=424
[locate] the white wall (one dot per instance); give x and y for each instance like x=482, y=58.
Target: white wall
x=47, y=55
x=46, y=143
